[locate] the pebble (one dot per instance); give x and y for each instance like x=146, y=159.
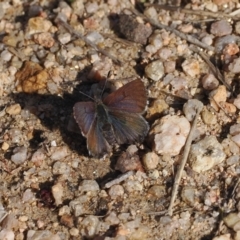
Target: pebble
x=6, y=234
x=231, y=49
x=233, y=160
x=169, y=66
x=28, y=196
x=116, y=191
x=88, y=186
x=150, y=160
x=206, y=153
x=132, y=186
x=191, y=67
x=58, y=153
x=188, y=195
x=154, y=174
x=57, y=192
x=223, y=237
x=78, y=206
x=23, y=218
x=95, y=37
x=45, y=39
x=221, y=2
x=155, y=43
x=88, y=227
x=67, y=220
x=38, y=25
x=38, y=157
x=208, y=39
x=74, y=232
x=209, y=82
x=61, y=168
x=112, y=219
x=5, y=146
x=19, y=155
x=134, y=30
x=236, y=101
x=221, y=42
x=208, y=117
x=155, y=70
x=231, y=219
x=190, y=108
x=218, y=95
x=14, y=109
x=91, y=7
x=157, y=106
x=156, y=191
x=234, y=66
x=64, y=38
x=169, y=134
x=41, y=234
x=237, y=27
x=6, y=55
x=221, y=28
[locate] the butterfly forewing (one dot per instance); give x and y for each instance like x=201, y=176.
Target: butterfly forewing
x=131, y=98
x=84, y=114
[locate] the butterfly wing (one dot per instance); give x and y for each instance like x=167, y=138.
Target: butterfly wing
x=84, y=114
x=132, y=98
x=128, y=127
x=96, y=143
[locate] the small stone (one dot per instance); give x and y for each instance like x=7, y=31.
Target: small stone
x=209, y=82
x=116, y=191
x=169, y=134
x=112, y=219
x=208, y=117
x=91, y=7
x=234, y=66
x=45, y=39
x=74, y=232
x=231, y=49
x=58, y=153
x=88, y=186
x=218, y=95
x=221, y=28
x=154, y=174
x=223, y=237
x=67, y=220
x=205, y=154
x=233, y=160
x=191, y=67
x=38, y=157
x=23, y=218
x=28, y=196
x=20, y=155
x=14, y=109
x=6, y=234
x=156, y=192
x=42, y=234
x=155, y=70
x=64, y=38
x=228, y=107
x=95, y=37
x=231, y=219
x=133, y=186
x=133, y=30
x=5, y=55
x=38, y=25
x=237, y=27
x=169, y=66
x=89, y=226
x=5, y=146
x=150, y=160
x=61, y=168
x=221, y=2
x=236, y=101
x=190, y=108
x=57, y=192
x=188, y=195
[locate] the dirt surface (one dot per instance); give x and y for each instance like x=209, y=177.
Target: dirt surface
x=53, y=53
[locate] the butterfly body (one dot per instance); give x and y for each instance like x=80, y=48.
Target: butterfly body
x=115, y=119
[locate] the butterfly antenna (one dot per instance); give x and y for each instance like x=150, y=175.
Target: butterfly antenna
x=86, y=95
x=105, y=83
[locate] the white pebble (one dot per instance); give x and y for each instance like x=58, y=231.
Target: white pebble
x=95, y=37
x=191, y=67
x=7, y=234
x=89, y=226
x=116, y=191
x=28, y=196
x=6, y=55
x=236, y=101
x=91, y=7
x=64, y=38
x=150, y=160
x=209, y=82
x=132, y=186
x=88, y=186
x=61, y=168
x=20, y=155
x=59, y=153
x=234, y=67
x=57, y=192
x=206, y=153
x=74, y=232
x=155, y=70
x=170, y=133
x=190, y=108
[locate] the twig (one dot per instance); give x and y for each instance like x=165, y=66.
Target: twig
x=186, y=37
x=178, y=176
x=214, y=69
x=218, y=15
x=87, y=41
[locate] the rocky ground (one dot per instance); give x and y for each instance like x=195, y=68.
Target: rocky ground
x=187, y=55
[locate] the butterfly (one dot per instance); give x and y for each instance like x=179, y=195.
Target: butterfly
x=116, y=119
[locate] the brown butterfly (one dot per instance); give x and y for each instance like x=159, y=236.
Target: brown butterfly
x=115, y=119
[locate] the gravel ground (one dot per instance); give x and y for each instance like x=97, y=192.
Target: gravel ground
x=53, y=52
